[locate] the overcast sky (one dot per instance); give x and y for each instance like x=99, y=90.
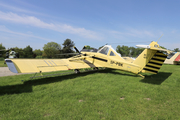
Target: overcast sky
x=89, y=22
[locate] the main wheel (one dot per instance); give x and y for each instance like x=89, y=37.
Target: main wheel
x=76, y=71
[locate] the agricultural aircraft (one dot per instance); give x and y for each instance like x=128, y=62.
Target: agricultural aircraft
x=149, y=61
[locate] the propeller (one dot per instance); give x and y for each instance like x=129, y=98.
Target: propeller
x=77, y=50
x=78, y=53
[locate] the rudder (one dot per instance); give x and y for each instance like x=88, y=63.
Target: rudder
x=151, y=59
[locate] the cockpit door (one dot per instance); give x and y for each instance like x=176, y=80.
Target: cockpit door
x=101, y=57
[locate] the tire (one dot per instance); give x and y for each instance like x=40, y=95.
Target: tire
x=76, y=71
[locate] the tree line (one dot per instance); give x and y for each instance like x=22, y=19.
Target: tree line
x=134, y=52
x=50, y=50
x=53, y=49
x=128, y=51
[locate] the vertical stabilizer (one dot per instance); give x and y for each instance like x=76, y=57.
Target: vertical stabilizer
x=151, y=59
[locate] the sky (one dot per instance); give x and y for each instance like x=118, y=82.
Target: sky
x=93, y=22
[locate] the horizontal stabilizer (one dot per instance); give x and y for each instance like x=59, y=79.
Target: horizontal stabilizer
x=143, y=46
x=154, y=47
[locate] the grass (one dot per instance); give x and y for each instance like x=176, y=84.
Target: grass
x=107, y=94
x=2, y=63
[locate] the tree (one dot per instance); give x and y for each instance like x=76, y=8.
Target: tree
x=51, y=49
x=129, y=51
x=100, y=47
x=133, y=52
x=88, y=47
x=3, y=52
x=28, y=52
x=2, y=47
x=176, y=50
x=139, y=50
x=68, y=46
x=124, y=50
x=38, y=52
x=19, y=51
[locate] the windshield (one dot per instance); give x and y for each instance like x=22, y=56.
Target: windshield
x=104, y=50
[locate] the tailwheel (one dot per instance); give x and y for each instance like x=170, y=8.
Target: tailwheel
x=76, y=71
x=141, y=76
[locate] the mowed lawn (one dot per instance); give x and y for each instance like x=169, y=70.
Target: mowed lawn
x=2, y=63
x=107, y=94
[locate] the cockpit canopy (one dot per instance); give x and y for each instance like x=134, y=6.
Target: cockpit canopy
x=105, y=51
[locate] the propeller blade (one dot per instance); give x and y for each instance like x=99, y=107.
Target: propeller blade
x=77, y=50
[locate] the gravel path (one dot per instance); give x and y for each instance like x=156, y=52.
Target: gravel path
x=4, y=71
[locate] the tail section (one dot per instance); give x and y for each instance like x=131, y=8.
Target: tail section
x=151, y=59
x=155, y=63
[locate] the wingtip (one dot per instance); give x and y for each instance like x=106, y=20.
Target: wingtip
x=11, y=66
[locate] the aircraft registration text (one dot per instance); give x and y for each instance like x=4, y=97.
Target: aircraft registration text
x=117, y=63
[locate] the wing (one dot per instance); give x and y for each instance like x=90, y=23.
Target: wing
x=46, y=65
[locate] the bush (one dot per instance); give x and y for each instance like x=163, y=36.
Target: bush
x=39, y=57
x=1, y=59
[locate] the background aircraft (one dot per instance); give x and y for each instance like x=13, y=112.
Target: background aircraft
x=173, y=58
x=10, y=53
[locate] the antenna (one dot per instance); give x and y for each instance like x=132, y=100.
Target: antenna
x=159, y=38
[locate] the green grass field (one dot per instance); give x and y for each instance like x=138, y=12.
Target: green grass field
x=108, y=94
x=2, y=63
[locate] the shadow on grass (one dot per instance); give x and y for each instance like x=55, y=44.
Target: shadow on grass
x=157, y=78
x=27, y=85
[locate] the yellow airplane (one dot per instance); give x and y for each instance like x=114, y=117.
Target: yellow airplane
x=149, y=61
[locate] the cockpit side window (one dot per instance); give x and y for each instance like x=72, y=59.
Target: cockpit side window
x=104, y=50
x=112, y=53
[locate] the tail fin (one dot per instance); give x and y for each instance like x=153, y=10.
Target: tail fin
x=151, y=59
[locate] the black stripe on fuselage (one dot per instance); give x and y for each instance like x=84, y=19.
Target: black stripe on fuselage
x=100, y=59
